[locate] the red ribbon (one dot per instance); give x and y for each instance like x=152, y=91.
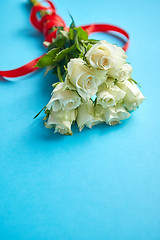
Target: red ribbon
x=45, y=24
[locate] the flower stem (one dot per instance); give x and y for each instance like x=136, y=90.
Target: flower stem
x=59, y=73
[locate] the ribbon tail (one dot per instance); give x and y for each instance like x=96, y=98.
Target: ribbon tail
x=21, y=71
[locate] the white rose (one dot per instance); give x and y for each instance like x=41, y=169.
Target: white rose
x=119, y=56
x=100, y=75
x=82, y=78
x=61, y=120
x=104, y=55
x=114, y=115
x=133, y=95
x=63, y=99
x=123, y=73
x=100, y=55
x=108, y=97
x=86, y=116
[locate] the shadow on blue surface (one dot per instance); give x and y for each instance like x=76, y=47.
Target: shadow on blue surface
x=38, y=131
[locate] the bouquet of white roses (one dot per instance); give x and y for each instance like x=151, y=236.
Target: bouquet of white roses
x=95, y=83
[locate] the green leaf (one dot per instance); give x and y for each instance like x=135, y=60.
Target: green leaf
x=78, y=34
x=47, y=59
x=60, y=41
x=77, y=43
x=63, y=53
x=82, y=35
x=39, y=112
x=51, y=46
x=72, y=23
x=73, y=54
x=132, y=80
x=71, y=34
x=65, y=34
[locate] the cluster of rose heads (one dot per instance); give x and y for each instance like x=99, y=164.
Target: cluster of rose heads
x=97, y=89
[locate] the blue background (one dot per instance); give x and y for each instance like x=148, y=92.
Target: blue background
x=100, y=184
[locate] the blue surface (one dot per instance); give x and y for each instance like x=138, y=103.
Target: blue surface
x=100, y=184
